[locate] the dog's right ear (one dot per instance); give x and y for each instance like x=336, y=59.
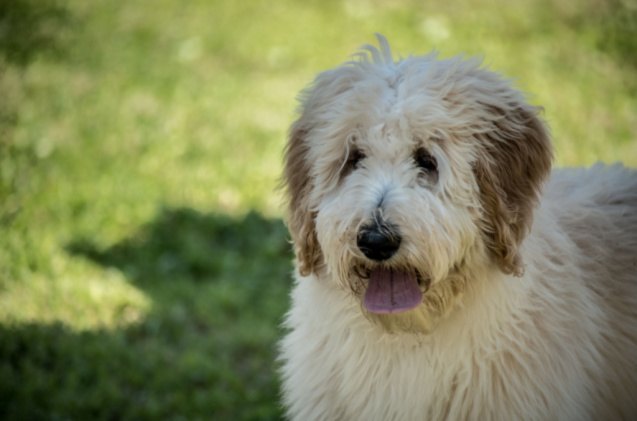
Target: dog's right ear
x=297, y=182
x=316, y=111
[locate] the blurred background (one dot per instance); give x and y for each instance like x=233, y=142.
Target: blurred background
x=144, y=264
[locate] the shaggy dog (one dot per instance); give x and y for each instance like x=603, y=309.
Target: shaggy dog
x=443, y=271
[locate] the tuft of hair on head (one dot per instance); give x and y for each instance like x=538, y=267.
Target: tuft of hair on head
x=376, y=55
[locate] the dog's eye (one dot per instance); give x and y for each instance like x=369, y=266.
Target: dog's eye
x=426, y=162
x=354, y=159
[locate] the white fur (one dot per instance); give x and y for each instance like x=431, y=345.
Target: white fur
x=559, y=342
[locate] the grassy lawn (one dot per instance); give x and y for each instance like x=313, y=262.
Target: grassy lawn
x=144, y=264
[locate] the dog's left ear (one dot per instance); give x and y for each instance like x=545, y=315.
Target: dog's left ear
x=514, y=159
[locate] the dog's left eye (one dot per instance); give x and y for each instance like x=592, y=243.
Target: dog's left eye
x=426, y=162
x=354, y=158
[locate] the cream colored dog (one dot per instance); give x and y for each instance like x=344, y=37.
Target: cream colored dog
x=443, y=270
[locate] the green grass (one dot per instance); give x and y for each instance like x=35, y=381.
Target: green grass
x=144, y=265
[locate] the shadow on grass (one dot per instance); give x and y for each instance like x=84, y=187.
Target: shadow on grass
x=30, y=27
x=206, y=349
x=186, y=244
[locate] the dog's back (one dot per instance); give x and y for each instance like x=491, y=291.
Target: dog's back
x=597, y=209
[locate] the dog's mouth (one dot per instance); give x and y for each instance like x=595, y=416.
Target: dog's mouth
x=392, y=290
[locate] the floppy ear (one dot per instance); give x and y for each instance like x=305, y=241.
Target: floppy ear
x=297, y=182
x=316, y=110
x=514, y=159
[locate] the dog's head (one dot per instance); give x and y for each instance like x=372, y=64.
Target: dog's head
x=403, y=175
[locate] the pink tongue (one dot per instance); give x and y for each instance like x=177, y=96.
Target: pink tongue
x=390, y=291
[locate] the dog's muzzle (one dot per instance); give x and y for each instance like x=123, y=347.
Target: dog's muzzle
x=389, y=289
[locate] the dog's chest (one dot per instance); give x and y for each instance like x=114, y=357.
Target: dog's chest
x=397, y=378
x=348, y=368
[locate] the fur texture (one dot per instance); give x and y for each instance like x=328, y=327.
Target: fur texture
x=529, y=276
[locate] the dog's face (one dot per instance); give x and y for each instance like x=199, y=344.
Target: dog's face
x=401, y=176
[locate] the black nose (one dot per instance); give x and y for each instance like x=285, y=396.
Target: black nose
x=378, y=241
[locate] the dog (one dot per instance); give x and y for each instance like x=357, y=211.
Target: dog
x=443, y=269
